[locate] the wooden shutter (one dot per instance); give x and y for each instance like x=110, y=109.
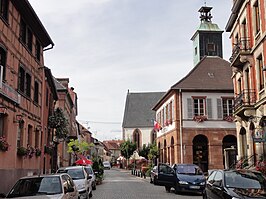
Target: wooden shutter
x=209, y=108
x=219, y=109
x=189, y=108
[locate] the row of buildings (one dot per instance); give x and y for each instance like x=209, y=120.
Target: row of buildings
x=29, y=95
x=214, y=116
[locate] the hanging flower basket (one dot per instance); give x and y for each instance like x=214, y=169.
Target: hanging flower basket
x=3, y=144
x=261, y=166
x=30, y=151
x=200, y=118
x=21, y=151
x=38, y=152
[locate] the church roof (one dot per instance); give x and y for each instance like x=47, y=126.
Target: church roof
x=138, y=109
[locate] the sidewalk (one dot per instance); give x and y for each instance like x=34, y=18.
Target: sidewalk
x=129, y=172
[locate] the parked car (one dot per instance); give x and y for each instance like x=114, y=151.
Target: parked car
x=181, y=177
x=56, y=186
x=154, y=175
x=241, y=184
x=90, y=172
x=81, y=179
x=106, y=165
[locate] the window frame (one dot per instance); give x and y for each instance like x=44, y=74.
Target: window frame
x=4, y=8
x=199, y=108
x=26, y=35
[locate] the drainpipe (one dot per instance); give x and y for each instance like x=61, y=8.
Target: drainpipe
x=180, y=127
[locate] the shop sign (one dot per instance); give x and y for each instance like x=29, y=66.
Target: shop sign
x=259, y=136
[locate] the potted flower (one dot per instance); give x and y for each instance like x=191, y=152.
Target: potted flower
x=30, y=151
x=38, y=152
x=3, y=144
x=21, y=151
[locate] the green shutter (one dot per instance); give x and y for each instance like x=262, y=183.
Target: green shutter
x=209, y=108
x=189, y=108
x=219, y=109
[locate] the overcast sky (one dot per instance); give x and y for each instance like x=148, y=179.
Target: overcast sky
x=106, y=47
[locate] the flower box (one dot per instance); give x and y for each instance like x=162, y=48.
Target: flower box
x=21, y=151
x=200, y=118
x=3, y=144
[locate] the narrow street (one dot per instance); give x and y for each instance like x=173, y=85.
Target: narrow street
x=120, y=184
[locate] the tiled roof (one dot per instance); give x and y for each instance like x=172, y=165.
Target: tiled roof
x=211, y=73
x=138, y=109
x=112, y=144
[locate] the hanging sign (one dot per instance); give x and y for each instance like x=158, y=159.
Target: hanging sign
x=259, y=136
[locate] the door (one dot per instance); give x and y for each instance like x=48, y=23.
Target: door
x=166, y=175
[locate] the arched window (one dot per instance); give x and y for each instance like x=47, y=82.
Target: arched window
x=136, y=138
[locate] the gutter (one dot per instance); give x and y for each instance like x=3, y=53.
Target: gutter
x=180, y=127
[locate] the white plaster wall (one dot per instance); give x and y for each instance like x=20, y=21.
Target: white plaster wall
x=145, y=134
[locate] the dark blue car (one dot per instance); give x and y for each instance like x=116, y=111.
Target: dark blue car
x=181, y=177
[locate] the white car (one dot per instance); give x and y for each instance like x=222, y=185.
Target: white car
x=54, y=186
x=106, y=165
x=81, y=179
x=90, y=172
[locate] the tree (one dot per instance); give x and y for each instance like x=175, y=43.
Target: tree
x=153, y=152
x=77, y=147
x=145, y=151
x=59, y=122
x=127, y=148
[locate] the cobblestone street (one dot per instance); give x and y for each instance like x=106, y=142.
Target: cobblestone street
x=120, y=184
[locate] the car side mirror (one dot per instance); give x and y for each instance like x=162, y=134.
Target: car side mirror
x=2, y=195
x=89, y=177
x=217, y=184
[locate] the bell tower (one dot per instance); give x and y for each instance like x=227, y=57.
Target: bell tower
x=207, y=40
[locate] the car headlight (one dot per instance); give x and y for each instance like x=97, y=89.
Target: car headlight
x=202, y=183
x=183, y=182
x=81, y=186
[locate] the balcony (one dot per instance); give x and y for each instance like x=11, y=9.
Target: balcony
x=244, y=101
x=240, y=52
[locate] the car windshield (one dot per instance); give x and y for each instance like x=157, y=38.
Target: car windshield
x=36, y=186
x=245, y=180
x=76, y=174
x=188, y=169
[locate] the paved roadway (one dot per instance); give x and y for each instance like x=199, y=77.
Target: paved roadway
x=120, y=184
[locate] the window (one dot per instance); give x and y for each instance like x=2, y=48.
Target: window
x=261, y=74
x=29, y=138
x=227, y=107
x=24, y=82
x=4, y=9
x=28, y=84
x=25, y=35
x=153, y=136
x=20, y=134
x=196, y=50
x=2, y=133
x=37, y=135
x=257, y=17
x=199, y=106
x=136, y=138
x=3, y=61
x=211, y=47
x=36, y=92
x=38, y=50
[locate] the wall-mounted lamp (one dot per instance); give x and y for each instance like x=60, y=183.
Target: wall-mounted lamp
x=19, y=118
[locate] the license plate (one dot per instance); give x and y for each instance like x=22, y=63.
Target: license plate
x=194, y=187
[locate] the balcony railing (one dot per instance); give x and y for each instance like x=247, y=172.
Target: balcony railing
x=243, y=46
x=246, y=98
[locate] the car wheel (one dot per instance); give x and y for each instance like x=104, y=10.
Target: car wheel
x=176, y=189
x=94, y=186
x=155, y=181
x=167, y=189
x=151, y=180
x=90, y=195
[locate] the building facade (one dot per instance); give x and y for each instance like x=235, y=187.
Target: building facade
x=247, y=27
x=196, y=114
x=138, y=120
x=23, y=40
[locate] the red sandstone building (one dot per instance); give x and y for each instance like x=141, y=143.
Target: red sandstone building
x=196, y=113
x=247, y=27
x=26, y=91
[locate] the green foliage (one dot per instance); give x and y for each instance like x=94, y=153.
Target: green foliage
x=98, y=168
x=127, y=148
x=21, y=151
x=153, y=152
x=74, y=146
x=145, y=151
x=59, y=122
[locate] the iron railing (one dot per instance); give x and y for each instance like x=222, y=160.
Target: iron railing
x=246, y=98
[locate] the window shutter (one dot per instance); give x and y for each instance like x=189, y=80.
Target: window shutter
x=209, y=108
x=219, y=109
x=189, y=108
